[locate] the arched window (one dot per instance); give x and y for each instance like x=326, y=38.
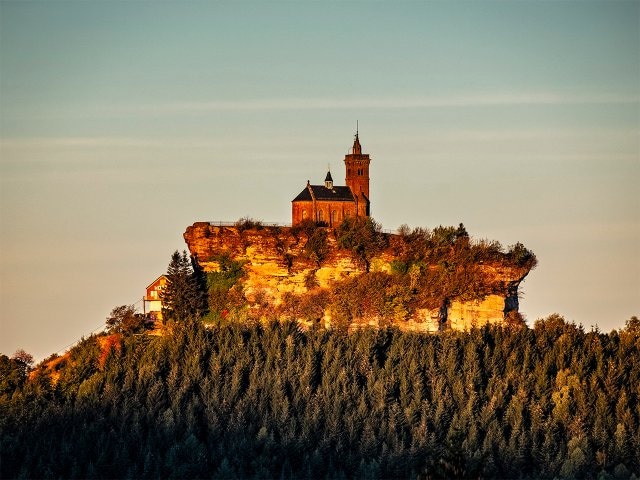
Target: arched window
x=304, y=214
x=320, y=216
x=334, y=217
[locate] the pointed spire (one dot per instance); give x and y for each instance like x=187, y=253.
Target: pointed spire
x=357, y=149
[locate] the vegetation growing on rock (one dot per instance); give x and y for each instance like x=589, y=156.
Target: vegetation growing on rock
x=393, y=278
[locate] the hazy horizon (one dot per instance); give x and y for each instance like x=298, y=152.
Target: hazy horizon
x=123, y=123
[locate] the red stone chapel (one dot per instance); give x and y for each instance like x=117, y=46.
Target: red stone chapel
x=331, y=204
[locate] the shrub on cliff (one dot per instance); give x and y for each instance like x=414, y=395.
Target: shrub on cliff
x=246, y=223
x=124, y=319
x=363, y=236
x=521, y=256
x=371, y=296
x=309, y=306
x=454, y=246
x=220, y=285
x=317, y=248
x=306, y=227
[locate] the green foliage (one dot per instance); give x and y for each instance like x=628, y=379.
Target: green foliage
x=124, y=319
x=449, y=236
x=14, y=372
x=306, y=227
x=317, y=248
x=229, y=272
x=520, y=256
x=266, y=401
x=399, y=267
x=632, y=326
x=374, y=295
x=185, y=294
x=224, y=293
x=429, y=269
x=445, y=263
x=363, y=236
x=446, y=244
x=308, y=307
x=220, y=285
x=246, y=223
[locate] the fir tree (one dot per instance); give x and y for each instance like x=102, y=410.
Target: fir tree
x=185, y=294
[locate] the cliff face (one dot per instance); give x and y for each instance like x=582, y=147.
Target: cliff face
x=281, y=268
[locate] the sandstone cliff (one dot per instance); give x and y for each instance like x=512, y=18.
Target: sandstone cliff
x=309, y=275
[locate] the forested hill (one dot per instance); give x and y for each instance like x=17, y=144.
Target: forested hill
x=272, y=401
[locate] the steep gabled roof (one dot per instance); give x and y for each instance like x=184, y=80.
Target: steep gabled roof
x=320, y=192
x=156, y=281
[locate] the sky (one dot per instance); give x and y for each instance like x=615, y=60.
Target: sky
x=122, y=123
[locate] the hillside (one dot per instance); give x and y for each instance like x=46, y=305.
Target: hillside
x=273, y=401
x=356, y=275
x=260, y=388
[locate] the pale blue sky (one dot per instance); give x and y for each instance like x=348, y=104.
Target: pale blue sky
x=123, y=122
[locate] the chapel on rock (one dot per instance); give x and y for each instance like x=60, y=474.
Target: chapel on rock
x=330, y=204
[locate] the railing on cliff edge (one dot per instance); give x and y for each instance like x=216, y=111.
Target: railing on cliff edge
x=218, y=223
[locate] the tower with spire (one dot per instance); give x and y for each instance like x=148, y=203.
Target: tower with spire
x=357, y=179
x=329, y=204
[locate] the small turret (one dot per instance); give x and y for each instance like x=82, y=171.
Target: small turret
x=328, y=181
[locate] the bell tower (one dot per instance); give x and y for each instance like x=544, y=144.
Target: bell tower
x=357, y=179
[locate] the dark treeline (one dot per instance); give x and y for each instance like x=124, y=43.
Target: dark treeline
x=271, y=401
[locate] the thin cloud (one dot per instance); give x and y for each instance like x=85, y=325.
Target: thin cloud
x=460, y=101
x=77, y=143
x=456, y=136
x=359, y=103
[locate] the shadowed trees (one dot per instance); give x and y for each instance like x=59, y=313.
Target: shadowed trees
x=185, y=294
x=272, y=401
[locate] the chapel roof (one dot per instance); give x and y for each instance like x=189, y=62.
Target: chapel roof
x=320, y=192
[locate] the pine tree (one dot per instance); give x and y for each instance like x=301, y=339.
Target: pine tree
x=184, y=296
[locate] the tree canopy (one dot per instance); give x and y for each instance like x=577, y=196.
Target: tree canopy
x=272, y=401
x=185, y=294
x=124, y=319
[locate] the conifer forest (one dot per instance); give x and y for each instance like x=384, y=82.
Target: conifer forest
x=270, y=400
